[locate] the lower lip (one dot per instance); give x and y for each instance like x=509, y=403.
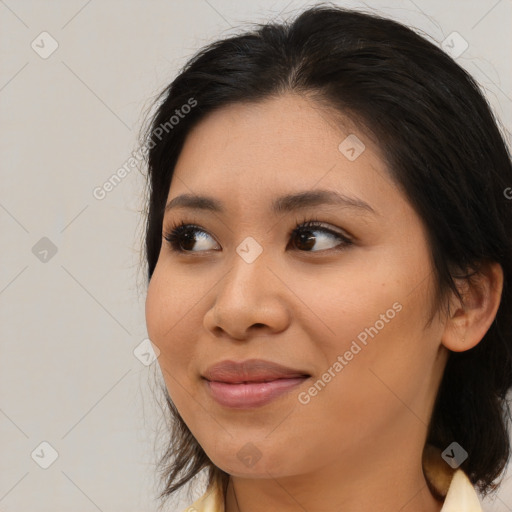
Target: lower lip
x=253, y=394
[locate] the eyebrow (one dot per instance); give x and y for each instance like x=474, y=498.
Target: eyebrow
x=287, y=203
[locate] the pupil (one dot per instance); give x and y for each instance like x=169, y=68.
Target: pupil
x=188, y=238
x=307, y=239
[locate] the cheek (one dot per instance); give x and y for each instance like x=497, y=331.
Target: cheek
x=387, y=364
x=355, y=302
x=373, y=320
x=169, y=309
x=173, y=318
x=157, y=308
x=170, y=301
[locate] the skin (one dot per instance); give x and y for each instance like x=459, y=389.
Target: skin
x=359, y=441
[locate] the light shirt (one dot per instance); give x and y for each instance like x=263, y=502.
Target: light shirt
x=451, y=484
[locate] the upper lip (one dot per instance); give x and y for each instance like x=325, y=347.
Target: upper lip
x=251, y=370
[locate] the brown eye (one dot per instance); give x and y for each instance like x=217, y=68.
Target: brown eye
x=309, y=236
x=313, y=234
x=184, y=238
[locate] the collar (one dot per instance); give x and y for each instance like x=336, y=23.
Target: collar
x=451, y=486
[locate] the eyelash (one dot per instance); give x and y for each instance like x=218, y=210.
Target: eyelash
x=178, y=228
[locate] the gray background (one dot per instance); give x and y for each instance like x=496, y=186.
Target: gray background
x=72, y=323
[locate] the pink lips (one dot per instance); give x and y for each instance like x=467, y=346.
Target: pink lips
x=250, y=383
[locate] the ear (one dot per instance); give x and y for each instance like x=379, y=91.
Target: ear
x=469, y=320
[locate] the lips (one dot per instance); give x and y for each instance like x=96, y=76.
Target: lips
x=251, y=370
x=251, y=383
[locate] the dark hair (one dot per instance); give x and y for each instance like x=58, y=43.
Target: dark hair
x=442, y=147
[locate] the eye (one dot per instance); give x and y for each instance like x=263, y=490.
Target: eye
x=185, y=238
x=181, y=237
x=304, y=234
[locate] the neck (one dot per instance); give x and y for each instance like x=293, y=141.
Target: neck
x=393, y=479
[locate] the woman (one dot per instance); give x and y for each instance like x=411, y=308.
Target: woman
x=329, y=249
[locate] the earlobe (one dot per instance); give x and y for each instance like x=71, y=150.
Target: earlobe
x=469, y=320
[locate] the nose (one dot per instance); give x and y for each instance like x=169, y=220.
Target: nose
x=249, y=299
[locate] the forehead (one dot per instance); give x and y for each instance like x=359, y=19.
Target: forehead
x=252, y=152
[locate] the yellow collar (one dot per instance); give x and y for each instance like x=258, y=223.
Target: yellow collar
x=451, y=485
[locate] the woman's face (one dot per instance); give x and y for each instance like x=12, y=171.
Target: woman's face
x=349, y=310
